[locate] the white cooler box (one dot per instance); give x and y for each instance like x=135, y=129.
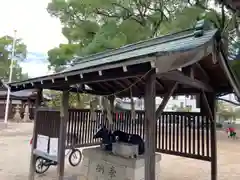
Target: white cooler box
x=125, y=149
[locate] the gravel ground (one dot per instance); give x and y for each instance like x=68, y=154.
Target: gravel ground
x=15, y=149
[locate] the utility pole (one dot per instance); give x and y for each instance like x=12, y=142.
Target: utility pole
x=10, y=78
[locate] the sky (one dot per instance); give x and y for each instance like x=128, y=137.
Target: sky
x=35, y=26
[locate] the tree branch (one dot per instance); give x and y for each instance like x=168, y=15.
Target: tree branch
x=157, y=26
x=102, y=13
x=138, y=6
x=130, y=15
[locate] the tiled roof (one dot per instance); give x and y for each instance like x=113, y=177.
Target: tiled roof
x=161, y=45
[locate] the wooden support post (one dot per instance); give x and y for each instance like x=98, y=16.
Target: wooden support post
x=198, y=100
x=210, y=102
x=34, y=136
x=150, y=126
x=112, y=99
x=165, y=100
x=62, y=138
x=202, y=104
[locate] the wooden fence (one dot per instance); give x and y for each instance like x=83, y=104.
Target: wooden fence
x=178, y=133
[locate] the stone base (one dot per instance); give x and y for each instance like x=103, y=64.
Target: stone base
x=26, y=117
x=17, y=118
x=100, y=165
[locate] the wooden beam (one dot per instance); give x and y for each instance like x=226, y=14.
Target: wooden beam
x=203, y=72
x=150, y=126
x=165, y=100
x=192, y=72
x=62, y=138
x=183, y=79
x=34, y=134
x=76, y=79
x=209, y=109
x=158, y=81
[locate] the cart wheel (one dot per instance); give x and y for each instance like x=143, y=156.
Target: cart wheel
x=41, y=165
x=75, y=157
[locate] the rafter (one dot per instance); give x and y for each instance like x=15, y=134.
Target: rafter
x=102, y=85
x=203, y=72
x=133, y=81
x=120, y=84
x=108, y=85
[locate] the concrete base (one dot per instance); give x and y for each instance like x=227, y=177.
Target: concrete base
x=100, y=165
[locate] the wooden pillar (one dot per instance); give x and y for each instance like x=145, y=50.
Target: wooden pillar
x=198, y=99
x=202, y=104
x=112, y=99
x=210, y=102
x=34, y=136
x=150, y=126
x=62, y=137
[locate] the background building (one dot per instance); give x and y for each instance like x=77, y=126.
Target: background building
x=176, y=103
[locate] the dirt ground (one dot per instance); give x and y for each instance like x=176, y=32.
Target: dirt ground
x=15, y=149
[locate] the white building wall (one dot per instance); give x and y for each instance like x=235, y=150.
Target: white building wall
x=179, y=101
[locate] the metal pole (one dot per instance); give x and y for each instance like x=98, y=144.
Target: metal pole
x=10, y=78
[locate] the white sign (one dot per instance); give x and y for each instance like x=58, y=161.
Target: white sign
x=53, y=149
x=42, y=143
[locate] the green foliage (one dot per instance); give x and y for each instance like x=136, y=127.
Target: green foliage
x=235, y=64
x=76, y=100
x=56, y=99
x=237, y=113
x=80, y=101
x=93, y=26
x=226, y=111
x=5, y=58
x=58, y=56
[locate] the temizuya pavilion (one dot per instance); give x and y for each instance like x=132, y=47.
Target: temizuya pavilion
x=191, y=62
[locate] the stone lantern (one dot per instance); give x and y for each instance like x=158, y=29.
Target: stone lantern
x=26, y=117
x=17, y=115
